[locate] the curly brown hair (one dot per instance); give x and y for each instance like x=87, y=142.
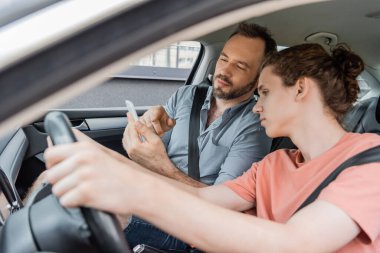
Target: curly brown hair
x=336, y=73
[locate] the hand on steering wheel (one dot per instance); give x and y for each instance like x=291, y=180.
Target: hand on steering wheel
x=105, y=230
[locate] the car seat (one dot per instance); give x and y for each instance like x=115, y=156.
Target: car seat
x=364, y=117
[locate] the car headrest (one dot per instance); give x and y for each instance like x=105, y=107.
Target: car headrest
x=364, y=117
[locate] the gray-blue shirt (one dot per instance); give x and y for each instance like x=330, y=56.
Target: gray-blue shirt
x=228, y=147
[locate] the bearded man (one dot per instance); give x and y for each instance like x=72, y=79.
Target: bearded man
x=230, y=139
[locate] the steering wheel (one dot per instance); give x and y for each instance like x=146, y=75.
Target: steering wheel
x=44, y=225
x=106, y=233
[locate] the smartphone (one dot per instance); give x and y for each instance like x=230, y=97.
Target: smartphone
x=131, y=108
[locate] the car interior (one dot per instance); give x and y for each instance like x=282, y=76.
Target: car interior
x=329, y=23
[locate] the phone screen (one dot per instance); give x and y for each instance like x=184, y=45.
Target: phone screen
x=131, y=109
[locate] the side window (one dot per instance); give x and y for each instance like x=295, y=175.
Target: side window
x=180, y=55
x=170, y=63
x=149, y=81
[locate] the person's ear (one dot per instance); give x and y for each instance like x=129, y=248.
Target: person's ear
x=302, y=88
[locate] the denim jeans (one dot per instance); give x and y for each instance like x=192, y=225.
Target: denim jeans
x=141, y=232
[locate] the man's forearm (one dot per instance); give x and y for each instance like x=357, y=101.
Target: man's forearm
x=183, y=178
x=168, y=169
x=171, y=177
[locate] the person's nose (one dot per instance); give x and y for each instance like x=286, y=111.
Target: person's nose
x=226, y=70
x=257, y=108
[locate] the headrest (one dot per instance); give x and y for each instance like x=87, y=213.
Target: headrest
x=364, y=117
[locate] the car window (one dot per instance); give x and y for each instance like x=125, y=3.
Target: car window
x=149, y=81
x=178, y=55
x=173, y=62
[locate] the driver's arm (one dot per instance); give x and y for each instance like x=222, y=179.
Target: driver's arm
x=82, y=174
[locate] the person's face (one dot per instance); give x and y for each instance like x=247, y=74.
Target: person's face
x=237, y=67
x=276, y=105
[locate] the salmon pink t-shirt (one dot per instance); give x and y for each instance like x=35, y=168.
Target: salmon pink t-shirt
x=281, y=182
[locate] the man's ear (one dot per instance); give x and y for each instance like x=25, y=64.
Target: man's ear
x=302, y=88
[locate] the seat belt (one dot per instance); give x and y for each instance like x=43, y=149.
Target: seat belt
x=367, y=156
x=194, y=125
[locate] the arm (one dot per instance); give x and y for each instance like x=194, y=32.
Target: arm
x=328, y=227
x=177, y=183
x=81, y=175
x=152, y=153
x=83, y=161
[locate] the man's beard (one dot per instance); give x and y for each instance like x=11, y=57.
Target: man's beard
x=232, y=93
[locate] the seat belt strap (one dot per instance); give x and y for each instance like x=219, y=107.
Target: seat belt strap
x=194, y=126
x=367, y=156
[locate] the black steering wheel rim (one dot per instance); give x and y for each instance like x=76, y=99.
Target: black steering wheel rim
x=106, y=233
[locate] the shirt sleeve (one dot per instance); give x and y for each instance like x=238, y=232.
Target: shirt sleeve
x=356, y=191
x=171, y=104
x=250, y=147
x=171, y=108
x=245, y=185
x=183, y=93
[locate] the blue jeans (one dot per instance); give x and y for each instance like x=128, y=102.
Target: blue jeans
x=142, y=232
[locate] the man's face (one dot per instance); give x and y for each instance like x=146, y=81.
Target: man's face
x=237, y=67
x=274, y=97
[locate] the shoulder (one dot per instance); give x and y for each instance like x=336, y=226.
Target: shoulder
x=356, y=189
x=357, y=142
x=279, y=157
x=183, y=96
x=282, y=154
x=187, y=91
x=362, y=137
